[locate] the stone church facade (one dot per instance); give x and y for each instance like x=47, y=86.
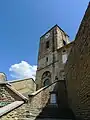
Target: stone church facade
x=54, y=48
x=62, y=80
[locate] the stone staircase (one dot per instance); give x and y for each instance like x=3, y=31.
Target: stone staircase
x=34, y=115
x=48, y=113
x=55, y=112
x=38, y=107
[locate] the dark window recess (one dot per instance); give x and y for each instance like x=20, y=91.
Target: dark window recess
x=46, y=59
x=56, y=78
x=47, y=44
x=64, y=42
x=88, y=96
x=64, y=50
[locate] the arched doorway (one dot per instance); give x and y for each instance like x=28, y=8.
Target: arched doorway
x=46, y=78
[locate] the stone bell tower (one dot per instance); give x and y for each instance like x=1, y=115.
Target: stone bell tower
x=2, y=77
x=50, y=42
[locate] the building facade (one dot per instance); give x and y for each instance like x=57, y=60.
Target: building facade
x=24, y=86
x=54, y=48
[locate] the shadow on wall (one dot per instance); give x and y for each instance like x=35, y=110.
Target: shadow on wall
x=53, y=111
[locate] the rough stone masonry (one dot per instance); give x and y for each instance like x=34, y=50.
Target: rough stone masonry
x=77, y=70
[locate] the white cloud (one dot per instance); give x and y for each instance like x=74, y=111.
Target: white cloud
x=23, y=70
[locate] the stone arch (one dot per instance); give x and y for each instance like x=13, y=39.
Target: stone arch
x=46, y=78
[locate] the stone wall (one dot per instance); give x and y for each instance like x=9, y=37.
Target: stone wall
x=78, y=71
x=25, y=86
x=42, y=99
x=16, y=114
x=5, y=97
x=64, y=50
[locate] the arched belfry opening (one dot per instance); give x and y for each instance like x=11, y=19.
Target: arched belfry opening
x=46, y=78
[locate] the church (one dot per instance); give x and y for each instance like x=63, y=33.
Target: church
x=54, y=49
x=61, y=90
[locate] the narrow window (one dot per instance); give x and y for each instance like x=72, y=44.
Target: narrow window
x=64, y=50
x=64, y=42
x=46, y=59
x=56, y=78
x=64, y=58
x=47, y=44
x=63, y=75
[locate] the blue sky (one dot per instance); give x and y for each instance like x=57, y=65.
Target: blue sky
x=22, y=22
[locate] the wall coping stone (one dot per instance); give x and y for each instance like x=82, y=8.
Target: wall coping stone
x=10, y=107
x=18, y=93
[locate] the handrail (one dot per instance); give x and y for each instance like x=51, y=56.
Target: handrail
x=43, y=88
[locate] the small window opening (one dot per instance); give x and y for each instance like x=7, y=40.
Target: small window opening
x=56, y=78
x=46, y=59
x=47, y=44
x=88, y=96
x=64, y=50
x=64, y=42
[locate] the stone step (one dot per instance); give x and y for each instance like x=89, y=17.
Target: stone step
x=53, y=119
x=40, y=115
x=34, y=118
x=30, y=115
x=33, y=112
x=46, y=114
x=31, y=118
